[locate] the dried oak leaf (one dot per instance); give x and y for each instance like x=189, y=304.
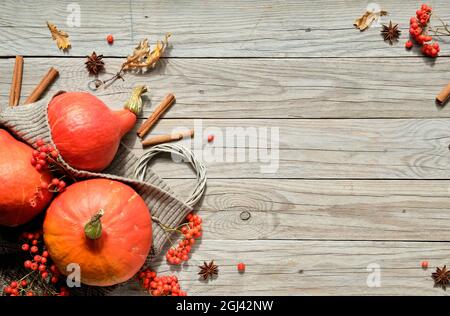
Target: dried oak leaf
x=61, y=37
x=142, y=57
x=366, y=20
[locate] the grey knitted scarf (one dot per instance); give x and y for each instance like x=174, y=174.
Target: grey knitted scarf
x=29, y=123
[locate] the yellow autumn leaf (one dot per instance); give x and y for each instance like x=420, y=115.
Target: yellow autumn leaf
x=61, y=37
x=366, y=20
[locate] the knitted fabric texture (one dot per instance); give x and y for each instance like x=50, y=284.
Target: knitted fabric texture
x=30, y=123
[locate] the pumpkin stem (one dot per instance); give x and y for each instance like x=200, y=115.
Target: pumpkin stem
x=134, y=103
x=93, y=229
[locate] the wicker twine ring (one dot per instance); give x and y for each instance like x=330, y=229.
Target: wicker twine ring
x=182, y=152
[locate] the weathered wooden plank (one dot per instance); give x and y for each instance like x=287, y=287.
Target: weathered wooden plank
x=329, y=148
x=205, y=29
x=23, y=28
x=261, y=88
x=324, y=209
x=309, y=268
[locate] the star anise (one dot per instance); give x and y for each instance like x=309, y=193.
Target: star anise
x=390, y=32
x=441, y=277
x=95, y=64
x=208, y=270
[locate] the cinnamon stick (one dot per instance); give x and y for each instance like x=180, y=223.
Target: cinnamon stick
x=16, y=84
x=46, y=81
x=162, y=107
x=443, y=95
x=168, y=138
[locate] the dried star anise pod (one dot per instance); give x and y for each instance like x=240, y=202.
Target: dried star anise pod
x=95, y=64
x=441, y=277
x=390, y=32
x=208, y=270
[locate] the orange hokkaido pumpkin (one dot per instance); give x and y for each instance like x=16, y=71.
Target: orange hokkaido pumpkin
x=21, y=198
x=103, y=226
x=86, y=132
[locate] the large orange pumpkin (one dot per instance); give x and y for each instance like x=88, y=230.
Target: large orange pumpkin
x=103, y=226
x=21, y=198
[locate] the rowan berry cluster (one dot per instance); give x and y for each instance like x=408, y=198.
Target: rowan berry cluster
x=191, y=231
x=45, y=157
x=418, y=28
x=159, y=286
x=41, y=271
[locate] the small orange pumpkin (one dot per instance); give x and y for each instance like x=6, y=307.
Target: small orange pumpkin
x=21, y=198
x=103, y=226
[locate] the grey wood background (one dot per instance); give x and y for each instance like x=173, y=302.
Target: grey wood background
x=363, y=174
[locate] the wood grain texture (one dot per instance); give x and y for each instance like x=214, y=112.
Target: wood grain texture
x=309, y=268
x=257, y=28
x=326, y=149
x=323, y=209
x=362, y=176
x=261, y=88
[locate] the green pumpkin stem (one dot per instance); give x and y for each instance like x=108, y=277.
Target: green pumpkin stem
x=134, y=103
x=93, y=229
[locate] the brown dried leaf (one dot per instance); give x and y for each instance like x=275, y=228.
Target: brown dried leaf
x=364, y=21
x=61, y=37
x=142, y=57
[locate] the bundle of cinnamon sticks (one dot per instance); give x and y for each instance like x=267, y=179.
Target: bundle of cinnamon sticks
x=16, y=84
x=165, y=104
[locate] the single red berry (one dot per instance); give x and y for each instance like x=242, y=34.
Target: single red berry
x=34, y=249
x=61, y=184
x=13, y=284
x=44, y=275
x=30, y=236
x=241, y=267
x=42, y=268
x=110, y=39
x=25, y=247
x=37, y=258
x=54, y=279
x=409, y=44
x=54, y=154
x=424, y=264
x=34, y=242
x=30, y=294
x=43, y=260
x=39, y=142
x=7, y=290
x=27, y=264
x=210, y=138
x=33, y=161
x=45, y=253
x=55, y=181
x=23, y=283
